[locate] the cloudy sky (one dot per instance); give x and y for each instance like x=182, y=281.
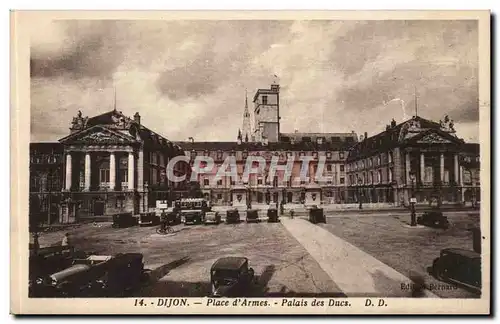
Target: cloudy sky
x=188, y=78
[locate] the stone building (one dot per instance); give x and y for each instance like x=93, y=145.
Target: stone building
x=267, y=142
x=46, y=179
x=113, y=164
x=417, y=157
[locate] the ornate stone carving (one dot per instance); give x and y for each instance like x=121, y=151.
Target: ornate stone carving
x=121, y=122
x=447, y=125
x=414, y=125
x=433, y=138
x=79, y=122
x=101, y=137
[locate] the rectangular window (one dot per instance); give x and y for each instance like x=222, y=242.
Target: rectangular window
x=428, y=174
x=219, y=182
x=219, y=196
x=342, y=168
x=264, y=100
x=341, y=155
x=104, y=177
x=275, y=181
x=206, y=182
x=259, y=181
x=342, y=180
x=328, y=167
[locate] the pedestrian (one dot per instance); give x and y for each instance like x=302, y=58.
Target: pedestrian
x=66, y=243
x=66, y=240
x=163, y=220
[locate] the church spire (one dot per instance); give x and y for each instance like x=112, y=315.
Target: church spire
x=246, y=133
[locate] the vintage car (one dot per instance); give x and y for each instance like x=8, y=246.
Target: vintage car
x=433, y=218
x=149, y=218
x=48, y=260
x=231, y=277
x=252, y=216
x=94, y=276
x=272, y=215
x=124, y=220
x=316, y=215
x=212, y=217
x=459, y=266
x=232, y=216
x=192, y=210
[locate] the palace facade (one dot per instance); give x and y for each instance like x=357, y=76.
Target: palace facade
x=266, y=140
x=417, y=158
x=111, y=163
x=107, y=164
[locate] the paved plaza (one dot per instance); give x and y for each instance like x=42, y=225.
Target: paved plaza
x=351, y=255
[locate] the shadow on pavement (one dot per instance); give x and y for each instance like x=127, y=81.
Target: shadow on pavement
x=161, y=271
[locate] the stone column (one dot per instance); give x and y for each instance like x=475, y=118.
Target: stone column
x=461, y=182
x=68, y=171
x=456, y=169
x=441, y=167
x=131, y=171
x=407, y=168
x=112, y=171
x=422, y=167
x=140, y=171
x=87, y=171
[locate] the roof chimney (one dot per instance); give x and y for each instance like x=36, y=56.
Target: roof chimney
x=296, y=131
x=366, y=135
x=137, y=118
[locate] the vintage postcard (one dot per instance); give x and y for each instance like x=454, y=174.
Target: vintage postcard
x=250, y=162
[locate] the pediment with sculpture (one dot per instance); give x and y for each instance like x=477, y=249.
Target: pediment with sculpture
x=98, y=135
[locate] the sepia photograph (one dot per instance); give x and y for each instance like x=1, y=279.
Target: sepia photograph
x=252, y=163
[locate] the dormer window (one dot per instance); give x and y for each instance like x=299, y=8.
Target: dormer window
x=244, y=154
x=315, y=155
x=329, y=155
x=319, y=140
x=219, y=155
x=341, y=155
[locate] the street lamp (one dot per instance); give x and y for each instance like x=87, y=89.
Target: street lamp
x=413, y=200
x=360, y=182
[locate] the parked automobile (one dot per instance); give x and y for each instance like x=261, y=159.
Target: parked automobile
x=124, y=220
x=212, y=217
x=316, y=215
x=48, y=260
x=459, y=266
x=433, y=218
x=149, y=218
x=232, y=216
x=231, y=277
x=272, y=215
x=94, y=276
x=252, y=216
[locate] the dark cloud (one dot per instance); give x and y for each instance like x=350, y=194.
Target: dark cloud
x=228, y=48
x=90, y=51
x=467, y=111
